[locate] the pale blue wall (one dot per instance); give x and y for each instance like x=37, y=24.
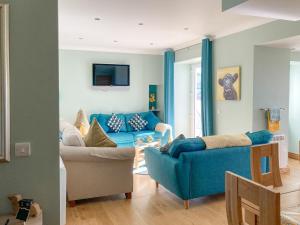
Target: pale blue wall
x=271, y=85
x=188, y=53
x=238, y=49
x=34, y=106
x=76, y=90
x=294, y=109
x=295, y=56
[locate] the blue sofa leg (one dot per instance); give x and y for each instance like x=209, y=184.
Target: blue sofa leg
x=186, y=204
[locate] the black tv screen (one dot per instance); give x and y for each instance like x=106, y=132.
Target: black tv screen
x=110, y=75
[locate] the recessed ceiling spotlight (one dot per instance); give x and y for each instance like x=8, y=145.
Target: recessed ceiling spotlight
x=115, y=41
x=186, y=28
x=140, y=24
x=151, y=43
x=97, y=19
x=80, y=38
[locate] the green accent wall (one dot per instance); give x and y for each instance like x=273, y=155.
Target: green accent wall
x=76, y=90
x=238, y=49
x=34, y=106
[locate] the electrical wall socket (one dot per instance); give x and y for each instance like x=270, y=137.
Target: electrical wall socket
x=22, y=150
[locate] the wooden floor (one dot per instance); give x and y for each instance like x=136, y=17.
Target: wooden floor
x=151, y=206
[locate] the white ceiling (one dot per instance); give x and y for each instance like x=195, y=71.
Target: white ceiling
x=277, y=9
x=292, y=43
x=164, y=22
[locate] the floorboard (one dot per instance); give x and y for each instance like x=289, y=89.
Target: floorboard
x=151, y=206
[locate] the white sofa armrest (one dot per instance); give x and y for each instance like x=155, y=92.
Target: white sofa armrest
x=163, y=128
x=96, y=154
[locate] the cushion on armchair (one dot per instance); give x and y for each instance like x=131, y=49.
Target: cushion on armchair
x=260, y=137
x=71, y=136
x=96, y=137
x=82, y=123
x=186, y=145
x=166, y=147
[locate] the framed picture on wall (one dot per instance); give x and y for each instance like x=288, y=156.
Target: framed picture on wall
x=4, y=85
x=229, y=83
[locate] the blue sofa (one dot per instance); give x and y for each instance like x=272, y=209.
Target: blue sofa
x=198, y=173
x=127, y=136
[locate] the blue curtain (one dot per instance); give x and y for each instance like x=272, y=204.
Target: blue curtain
x=207, y=88
x=169, y=87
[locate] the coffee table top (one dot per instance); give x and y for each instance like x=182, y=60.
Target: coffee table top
x=142, y=144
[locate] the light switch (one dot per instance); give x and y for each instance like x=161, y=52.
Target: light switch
x=22, y=149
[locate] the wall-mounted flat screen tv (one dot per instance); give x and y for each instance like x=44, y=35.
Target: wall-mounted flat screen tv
x=111, y=75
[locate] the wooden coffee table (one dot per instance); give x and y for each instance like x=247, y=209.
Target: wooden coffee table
x=139, y=151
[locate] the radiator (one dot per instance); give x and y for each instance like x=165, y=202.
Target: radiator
x=283, y=149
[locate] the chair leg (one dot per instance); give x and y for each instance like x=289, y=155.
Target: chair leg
x=128, y=195
x=156, y=184
x=186, y=204
x=72, y=203
x=250, y=218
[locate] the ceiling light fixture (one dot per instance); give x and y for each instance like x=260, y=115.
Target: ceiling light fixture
x=186, y=28
x=151, y=43
x=115, y=41
x=80, y=38
x=97, y=19
x=140, y=24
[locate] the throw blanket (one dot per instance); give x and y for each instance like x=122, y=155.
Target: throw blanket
x=223, y=141
x=163, y=128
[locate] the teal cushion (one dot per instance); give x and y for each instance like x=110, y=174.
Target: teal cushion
x=152, y=120
x=129, y=116
x=186, y=145
x=103, y=120
x=260, y=137
x=121, y=138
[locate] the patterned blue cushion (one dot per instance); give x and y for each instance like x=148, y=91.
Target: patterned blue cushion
x=137, y=122
x=115, y=123
x=103, y=120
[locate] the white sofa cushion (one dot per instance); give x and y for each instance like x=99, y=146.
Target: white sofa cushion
x=71, y=136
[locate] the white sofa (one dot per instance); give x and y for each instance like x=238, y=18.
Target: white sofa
x=94, y=171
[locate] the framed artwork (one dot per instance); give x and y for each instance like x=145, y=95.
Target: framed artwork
x=229, y=84
x=4, y=85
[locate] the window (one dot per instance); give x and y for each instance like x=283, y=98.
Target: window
x=197, y=118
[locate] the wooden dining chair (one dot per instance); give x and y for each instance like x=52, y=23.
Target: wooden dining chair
x=272, y=177
x=253, y=197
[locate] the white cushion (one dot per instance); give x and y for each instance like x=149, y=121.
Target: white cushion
x=71, y=137
x=63, y=125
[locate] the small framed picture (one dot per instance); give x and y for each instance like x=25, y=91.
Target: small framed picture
x=229, y=84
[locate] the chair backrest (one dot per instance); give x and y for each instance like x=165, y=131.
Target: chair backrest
x=271, y=178
x=253, y=197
